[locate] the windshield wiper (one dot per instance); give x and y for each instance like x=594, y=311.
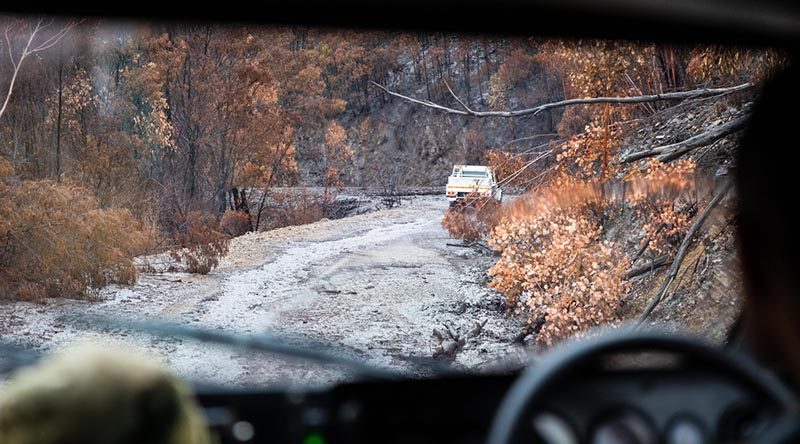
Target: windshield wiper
x=12, y=357
x=308, y=350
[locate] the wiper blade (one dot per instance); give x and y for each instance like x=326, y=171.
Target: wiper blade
x=13, y=357
x=268, y=343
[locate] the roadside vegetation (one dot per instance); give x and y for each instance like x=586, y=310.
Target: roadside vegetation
x=123, y=140
x=602, y=205
x=68, y=247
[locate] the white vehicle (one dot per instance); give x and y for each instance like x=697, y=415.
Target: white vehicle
x=467, y=179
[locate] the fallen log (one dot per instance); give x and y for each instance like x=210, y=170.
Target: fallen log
x=459, y=245
x=655, y=264
x=672, y=151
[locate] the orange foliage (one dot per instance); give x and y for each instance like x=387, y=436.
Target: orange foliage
x=595, y=68
x=602, y=67
x=509, y=168
x=471, y=218
x=337, y=153
x=200, y=246
x=555, y=260
x=653, y=196
x=515, y=70
x=722, y=66
x=590, y=154
x=556, y=264
x=6, y=171
x=551, y=246
x=55, y=240
x=235, y=223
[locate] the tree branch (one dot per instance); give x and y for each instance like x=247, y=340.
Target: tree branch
x=52, y=41
x=26, y=51
x=670, y=152
x=682, y=250
x=514, y=175
x=463, y=105
x=656, y=263
x=681, y=95
x=8, y=43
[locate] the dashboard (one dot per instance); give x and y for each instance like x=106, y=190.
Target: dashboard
x=636, y=389
x=442, y=410
x=652, y=407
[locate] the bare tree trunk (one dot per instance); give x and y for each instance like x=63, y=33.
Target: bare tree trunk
x=486, y=59
x=260, y=210
x=60, y=107
x=466, y=77
x=427, y=81
x=366, y=95
x=240, y=204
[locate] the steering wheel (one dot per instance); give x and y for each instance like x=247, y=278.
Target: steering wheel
x=644, y=387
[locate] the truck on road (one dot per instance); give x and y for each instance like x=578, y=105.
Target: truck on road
x=467, y=179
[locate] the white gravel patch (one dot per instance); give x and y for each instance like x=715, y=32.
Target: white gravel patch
x=373, y=285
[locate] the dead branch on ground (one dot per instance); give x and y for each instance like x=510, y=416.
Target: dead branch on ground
x=655, y=264
x=670, y=152
x=681, y=254
x=449, y=343
x=477, y=244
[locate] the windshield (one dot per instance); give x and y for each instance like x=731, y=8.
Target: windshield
x=290, y=181
x=474, y=174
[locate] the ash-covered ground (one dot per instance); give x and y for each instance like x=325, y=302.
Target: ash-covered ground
x=373, y=286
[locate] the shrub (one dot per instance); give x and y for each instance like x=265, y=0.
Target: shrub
x=235, y=223
x=554, y=264
x=590, y=154
x=654, y=197
x=555, y=260
x=510, y=168
x=199, y=244
x=55, y=240
x=471, y=218
x=291, y=208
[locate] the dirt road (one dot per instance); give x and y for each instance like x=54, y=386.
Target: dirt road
x=374, y=285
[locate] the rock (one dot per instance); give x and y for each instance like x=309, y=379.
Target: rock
x=528, y=340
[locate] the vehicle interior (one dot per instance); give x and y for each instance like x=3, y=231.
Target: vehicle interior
x=628, y=385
